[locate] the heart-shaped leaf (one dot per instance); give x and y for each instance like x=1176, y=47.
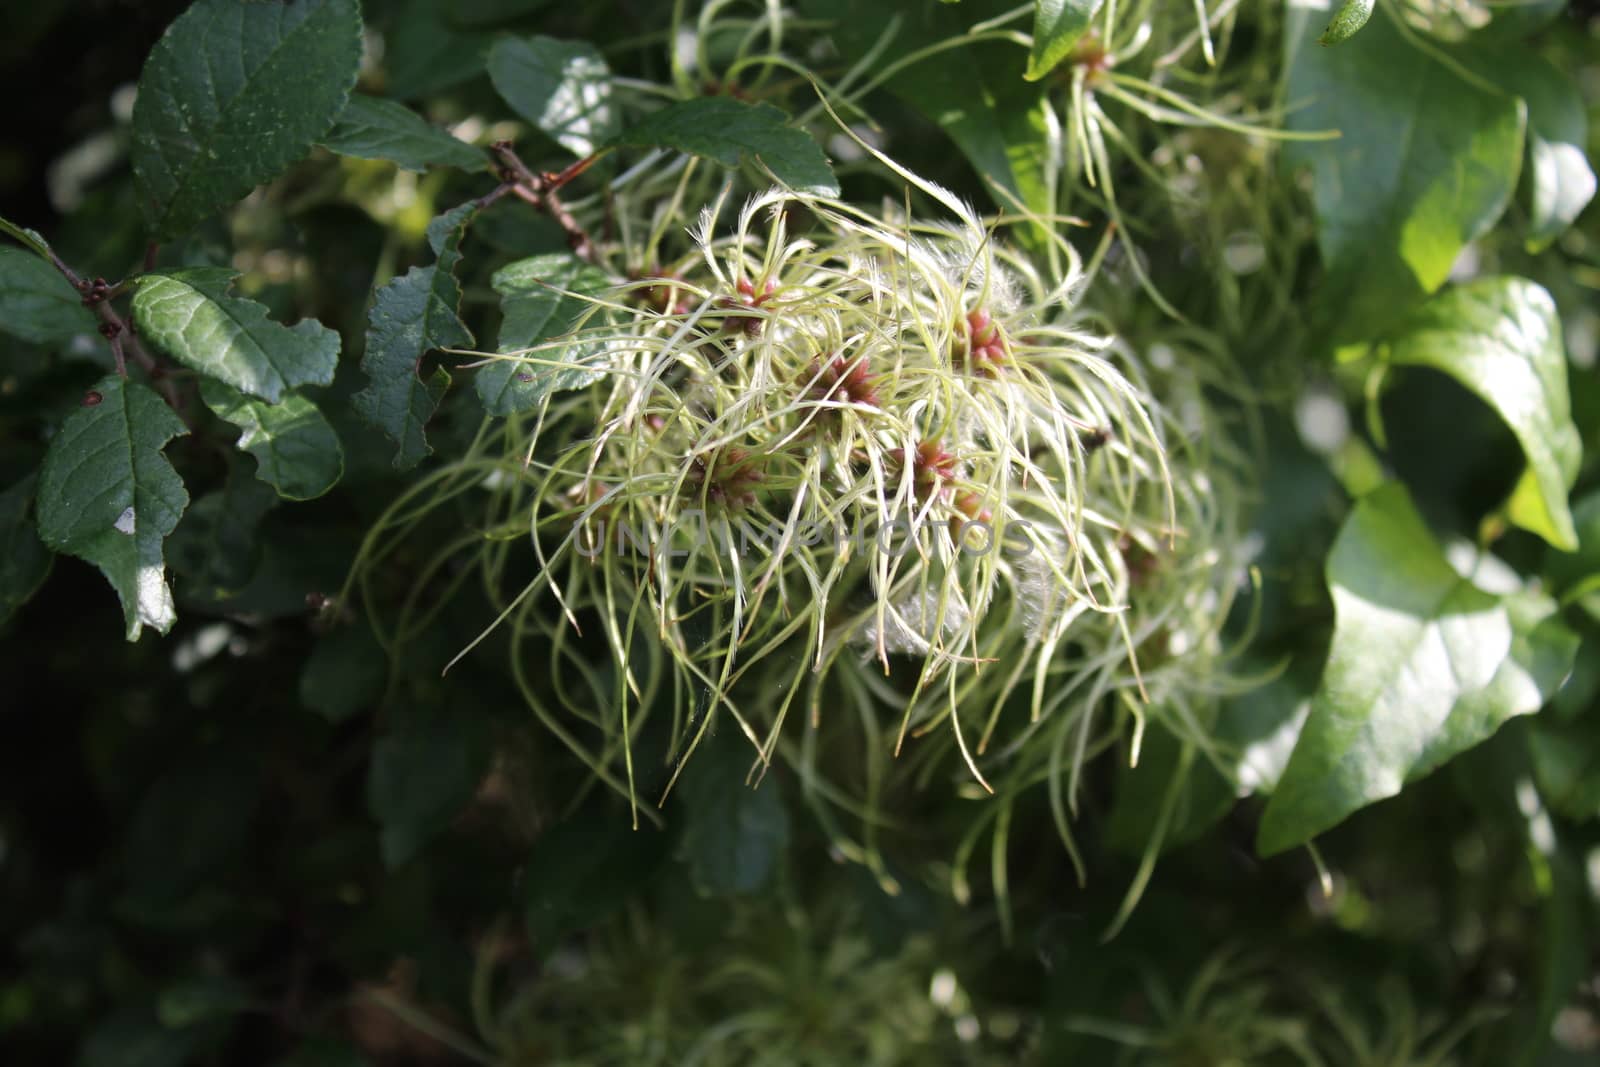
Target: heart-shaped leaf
x=1500, y=337
x=1424, y=665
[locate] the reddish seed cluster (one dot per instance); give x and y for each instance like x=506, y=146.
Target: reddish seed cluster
x=728, y=478
x=932, y=469
x=840, y=379
x=748, y=297
x=980, y=345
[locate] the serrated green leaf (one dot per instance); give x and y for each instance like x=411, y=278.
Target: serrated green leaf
x=190, y=316
x=412, y=316
x=1058, y=25
x=426, y=54
x=424, y=771
x=1500, y=338
x=373, y=128
x=107, y=495
x=24, y=562
x=36, y=303
x=562, y=87
x=231, y=95
x=1426, y=161
x=733, y=835
x=217, y=547
x=296, y=450
x=541, y=298
x=1424, y=665
x=729, y=131
x=1347, y=20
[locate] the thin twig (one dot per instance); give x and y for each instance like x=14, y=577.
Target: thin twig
x=114, y=335
x=97, y=295
x=539, y=190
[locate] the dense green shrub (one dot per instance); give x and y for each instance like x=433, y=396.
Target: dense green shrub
x=747, y=533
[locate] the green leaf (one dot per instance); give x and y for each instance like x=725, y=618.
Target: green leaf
x=1347, y=20
x=231, y=95
x=37, y=304
x=1426, y=162
x=345, y=673
x=733, y=834
x=296, y=451
x=726, y=130
x=1424, y=665
x=412, y=316
x=1576, y=574
x=1000, y=122
x=1560, y=180
x=189, y=315
x=1566, y=764
x=36, y=244
x=217, y=547
x=582, y=870
x=24, y=562
x=190, y=823
x=374, y=128
x=424, y=771
x=426, y=54
x=541, y=298
x=562, y=87
x=1057, y=27
x=107, y=495
x=1500, y=338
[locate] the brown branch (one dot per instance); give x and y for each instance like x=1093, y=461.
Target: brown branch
x=96, y=295
x=539, y=190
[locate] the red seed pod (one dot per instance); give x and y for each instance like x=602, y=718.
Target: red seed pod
x=980, y=344
x=749, y=297
x=728, y=478
x=932, y=469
